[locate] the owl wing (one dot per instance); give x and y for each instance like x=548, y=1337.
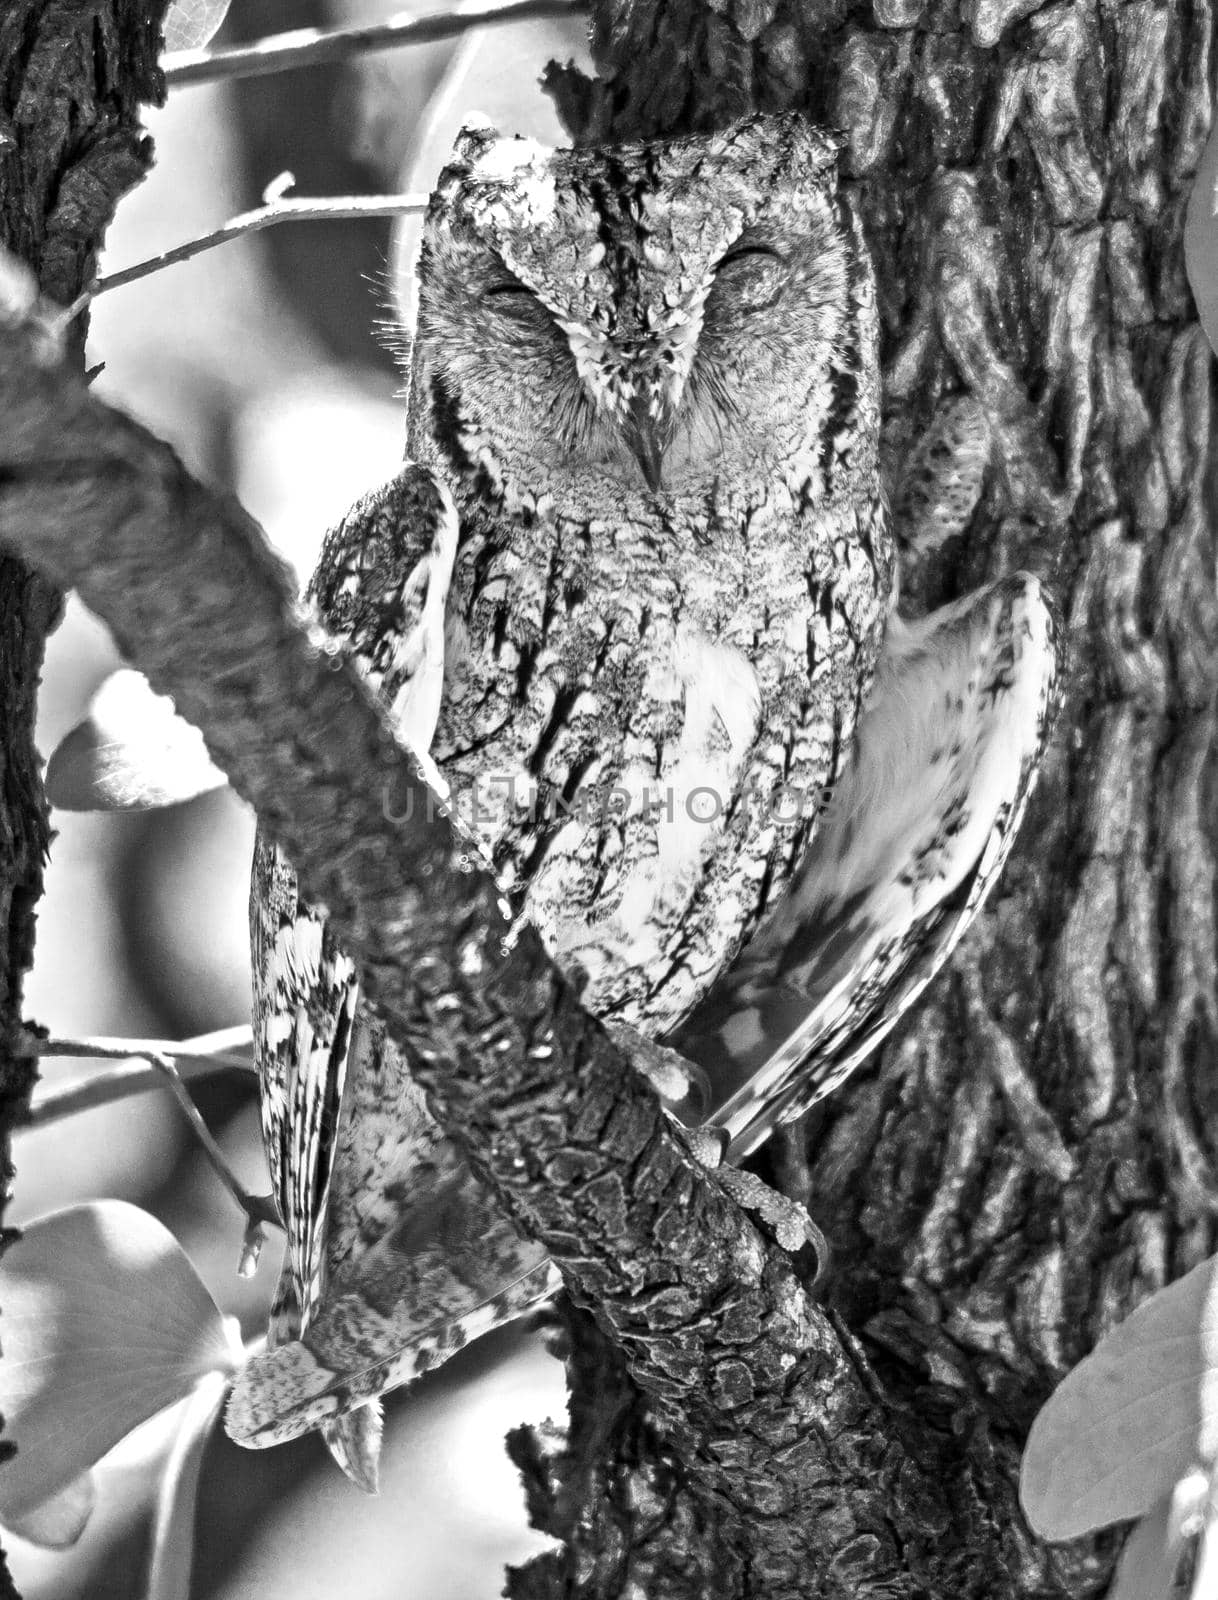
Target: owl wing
x=304, y=1001
x=382, y=588
x=419, y=1262
x=946, y=756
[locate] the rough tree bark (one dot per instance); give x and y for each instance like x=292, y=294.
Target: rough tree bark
x=72, y=80
x=1036, y=1151
x=1031, y=1157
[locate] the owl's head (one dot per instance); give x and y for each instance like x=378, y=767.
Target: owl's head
x=605, y=326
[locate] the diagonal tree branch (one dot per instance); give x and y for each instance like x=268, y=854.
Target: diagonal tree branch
x=760, y=1394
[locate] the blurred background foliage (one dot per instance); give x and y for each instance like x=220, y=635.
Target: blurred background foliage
x=267, y=364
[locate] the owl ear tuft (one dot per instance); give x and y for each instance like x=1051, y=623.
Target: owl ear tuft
x=477, y=134
x=782, y=146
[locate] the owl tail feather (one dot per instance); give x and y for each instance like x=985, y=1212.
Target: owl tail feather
x=350, y=1355
x=355, y=1443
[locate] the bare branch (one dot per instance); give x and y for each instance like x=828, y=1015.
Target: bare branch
x=201, y=1057
x=160, y=1065
x=312, y=47
x=225, y=1046
x=275, y=209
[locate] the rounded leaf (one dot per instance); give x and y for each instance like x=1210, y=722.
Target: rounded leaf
x=58, y=1523
x=1130, y=1420
x=173, y=1532
x=131, y=753
x=1148, y=1564
x=189, y=24
x=105, y=1322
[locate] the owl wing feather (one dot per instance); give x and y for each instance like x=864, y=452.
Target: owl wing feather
x=304, y=998
x=381, y=588
x=418, y=1262
x=912, y=841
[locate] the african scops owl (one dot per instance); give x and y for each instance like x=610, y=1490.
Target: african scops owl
x=631, y=592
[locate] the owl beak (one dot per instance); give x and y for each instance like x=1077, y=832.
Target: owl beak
x=645, y=436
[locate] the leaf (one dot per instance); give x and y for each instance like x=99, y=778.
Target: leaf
x=173, y=1535
x=495, y=73
x=105, y=1323
x=1130, y=1420
x=131, y=753
x=58, y=1523
x=1201, y=239
x=190, y=24
x=1147, y=1568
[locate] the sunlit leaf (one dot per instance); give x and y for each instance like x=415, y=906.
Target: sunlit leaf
x=495, y=73
x=57, y=1523
x=189, y=24
x=1147, y=1568
x=105, y=1322
x=1132, y=1419
x=171, y=1557
x=131, y=753
x=1201, y=239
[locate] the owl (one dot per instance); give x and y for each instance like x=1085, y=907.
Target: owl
x=627, y=601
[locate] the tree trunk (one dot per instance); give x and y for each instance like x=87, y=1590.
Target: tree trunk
x=73, y=80
x=1031, y=1156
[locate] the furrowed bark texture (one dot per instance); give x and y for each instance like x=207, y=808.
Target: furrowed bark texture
x=1035, y=1152
x=72, y=79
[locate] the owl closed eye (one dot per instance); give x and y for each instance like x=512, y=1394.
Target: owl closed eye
x=508, y=297
x=751, y=276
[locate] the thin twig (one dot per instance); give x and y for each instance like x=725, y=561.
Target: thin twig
x=209, y=1053
x=227, y=1045
x=312, y=47
x=274, y=209
x=133, y=1077
x=149, y=1063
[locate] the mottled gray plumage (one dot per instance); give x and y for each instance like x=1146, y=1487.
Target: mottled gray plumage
x=701, y=312
x=630, y=595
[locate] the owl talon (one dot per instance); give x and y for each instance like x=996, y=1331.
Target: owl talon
x=681, y=1084
x=709, y=1143
x=784, y=1218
